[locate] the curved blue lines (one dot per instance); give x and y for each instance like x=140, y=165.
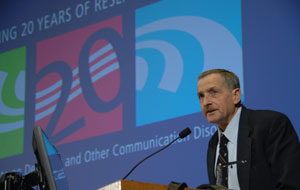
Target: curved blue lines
x=99, y=75
x=6, y=127
x=48, y=90
x=221, y=49
x=58, y=84
x=173, y=71
x=100, y=52
x=76, y=82
x=20, y=86
x=105, y=71
x=75, y=72
x=103, y=61
x=3, y=108
x=44, y=113
x=74, y=94
x=141, y=68
x=47, y=101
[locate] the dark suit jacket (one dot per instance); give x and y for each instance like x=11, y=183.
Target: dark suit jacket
x=269, y=143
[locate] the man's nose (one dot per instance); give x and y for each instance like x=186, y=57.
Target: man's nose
x=206, y=100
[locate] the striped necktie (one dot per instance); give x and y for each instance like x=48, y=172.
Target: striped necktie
x=223, y=159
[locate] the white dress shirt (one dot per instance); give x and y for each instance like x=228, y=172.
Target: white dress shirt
x=231, y=133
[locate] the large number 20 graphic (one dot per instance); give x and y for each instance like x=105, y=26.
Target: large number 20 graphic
x=87, y=87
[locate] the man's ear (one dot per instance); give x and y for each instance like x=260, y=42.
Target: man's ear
x=237, y=95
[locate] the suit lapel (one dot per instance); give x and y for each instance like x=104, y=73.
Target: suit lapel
x=244, y=150
x=211, y=157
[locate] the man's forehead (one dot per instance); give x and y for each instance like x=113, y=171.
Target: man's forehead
x=212, y=76
x=210, y=81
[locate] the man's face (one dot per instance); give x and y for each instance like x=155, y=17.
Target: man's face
x=216, y=100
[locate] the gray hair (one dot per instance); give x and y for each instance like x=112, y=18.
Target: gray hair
x=230, y=79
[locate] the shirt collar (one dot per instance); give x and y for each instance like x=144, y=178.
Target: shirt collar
x=231, y=130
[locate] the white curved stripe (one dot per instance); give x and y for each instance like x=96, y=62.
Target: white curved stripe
x=58, y=84
x=75, y=83
x=7, y=127
x=105, y=71
x=103, y=61
x=4, y=110
x=75, y=72
x=74, y=94
x=220, y=47
x=20, y=86
x=54, y=97
x=77, y=92
x=100, y=52
x=45, y=113
x=48, y=90
x=101, y=74
x=173, y=63
x=47, y=101
x=141, y=72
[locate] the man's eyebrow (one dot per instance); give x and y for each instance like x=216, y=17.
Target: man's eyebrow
x=211, y=88
x=207, y=90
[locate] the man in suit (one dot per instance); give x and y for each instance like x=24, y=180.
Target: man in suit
x=264, y=143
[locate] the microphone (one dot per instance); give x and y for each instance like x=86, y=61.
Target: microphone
x=181, y=135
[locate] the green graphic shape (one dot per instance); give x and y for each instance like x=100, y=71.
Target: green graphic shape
x=12, y=88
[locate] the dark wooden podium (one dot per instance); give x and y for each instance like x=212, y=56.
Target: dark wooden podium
x=135, y=185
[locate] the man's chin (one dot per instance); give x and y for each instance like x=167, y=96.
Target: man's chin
x=212, y=120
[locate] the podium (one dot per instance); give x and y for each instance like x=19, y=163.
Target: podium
x=135, y=185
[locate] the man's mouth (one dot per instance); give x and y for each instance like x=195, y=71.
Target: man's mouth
x=210, y=111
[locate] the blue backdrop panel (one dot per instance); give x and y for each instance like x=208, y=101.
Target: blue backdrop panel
x=110, y=82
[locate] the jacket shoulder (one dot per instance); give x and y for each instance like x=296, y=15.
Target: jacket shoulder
x=264, y=115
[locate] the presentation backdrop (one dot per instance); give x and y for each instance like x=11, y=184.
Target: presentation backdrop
x=112, y=81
